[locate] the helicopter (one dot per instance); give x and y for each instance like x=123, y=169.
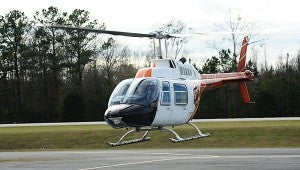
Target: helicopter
x=166, y=94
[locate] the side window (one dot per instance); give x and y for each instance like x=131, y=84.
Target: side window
x=180, y=94
x=165, y=99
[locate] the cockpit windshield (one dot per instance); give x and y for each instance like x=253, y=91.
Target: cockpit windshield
x=119, y=92
x=142, y=92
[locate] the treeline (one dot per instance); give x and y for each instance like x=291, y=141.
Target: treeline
x=275, y=91
x=50, y=75
x=53, y=75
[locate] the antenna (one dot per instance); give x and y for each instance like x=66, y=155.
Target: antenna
x=166, y=48
x=154, y=47
x=159, y=49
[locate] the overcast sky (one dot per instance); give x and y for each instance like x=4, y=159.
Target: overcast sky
x=281, y=18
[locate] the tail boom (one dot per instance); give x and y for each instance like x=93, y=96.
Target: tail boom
x=211, y=81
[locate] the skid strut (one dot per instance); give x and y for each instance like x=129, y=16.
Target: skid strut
x=180, y=139
x=146, y=138
x=125, y=142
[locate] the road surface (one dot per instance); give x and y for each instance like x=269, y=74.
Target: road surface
x=188, y=159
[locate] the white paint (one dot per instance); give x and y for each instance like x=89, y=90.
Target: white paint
x=151, y=161
x=192, y=157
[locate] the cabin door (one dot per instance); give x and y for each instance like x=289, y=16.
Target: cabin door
x=164, y=108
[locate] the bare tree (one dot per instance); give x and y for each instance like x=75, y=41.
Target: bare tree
x=234, y=28
x=124, y=55
x=110, y=58
x=174, y=46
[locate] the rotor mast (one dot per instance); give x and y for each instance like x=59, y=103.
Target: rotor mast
x=160, y=36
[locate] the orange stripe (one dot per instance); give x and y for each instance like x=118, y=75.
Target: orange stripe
x=144, y=72
x=197, y=101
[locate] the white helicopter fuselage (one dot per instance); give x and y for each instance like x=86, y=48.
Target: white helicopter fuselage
x=168, y=93
x=175, y=103
x=174, y=98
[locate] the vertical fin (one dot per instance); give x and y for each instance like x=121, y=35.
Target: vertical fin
x=244, y=92
x=242, y=60
x=241, y=67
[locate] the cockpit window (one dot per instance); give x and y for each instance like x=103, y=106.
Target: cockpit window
x=142, y=92
x=119, y=92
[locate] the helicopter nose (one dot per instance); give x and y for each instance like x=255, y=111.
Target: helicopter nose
x=129, y=115
x=113, y=116
x=116, y=122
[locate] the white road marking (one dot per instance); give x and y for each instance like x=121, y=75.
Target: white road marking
x=191, y=157
x=150, y=161
x=260, y=156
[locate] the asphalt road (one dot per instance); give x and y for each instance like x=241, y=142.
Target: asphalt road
x=273, y=158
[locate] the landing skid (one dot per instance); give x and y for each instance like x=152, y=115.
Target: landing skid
x=180, y=139
x=147, y=138
x=126, y=142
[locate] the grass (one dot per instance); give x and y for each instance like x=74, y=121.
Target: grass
x=223, y=135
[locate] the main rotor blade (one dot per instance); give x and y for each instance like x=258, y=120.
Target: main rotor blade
x=196, y=34
x=129, y=34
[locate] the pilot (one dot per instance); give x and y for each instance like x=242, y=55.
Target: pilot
x=152, y=92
